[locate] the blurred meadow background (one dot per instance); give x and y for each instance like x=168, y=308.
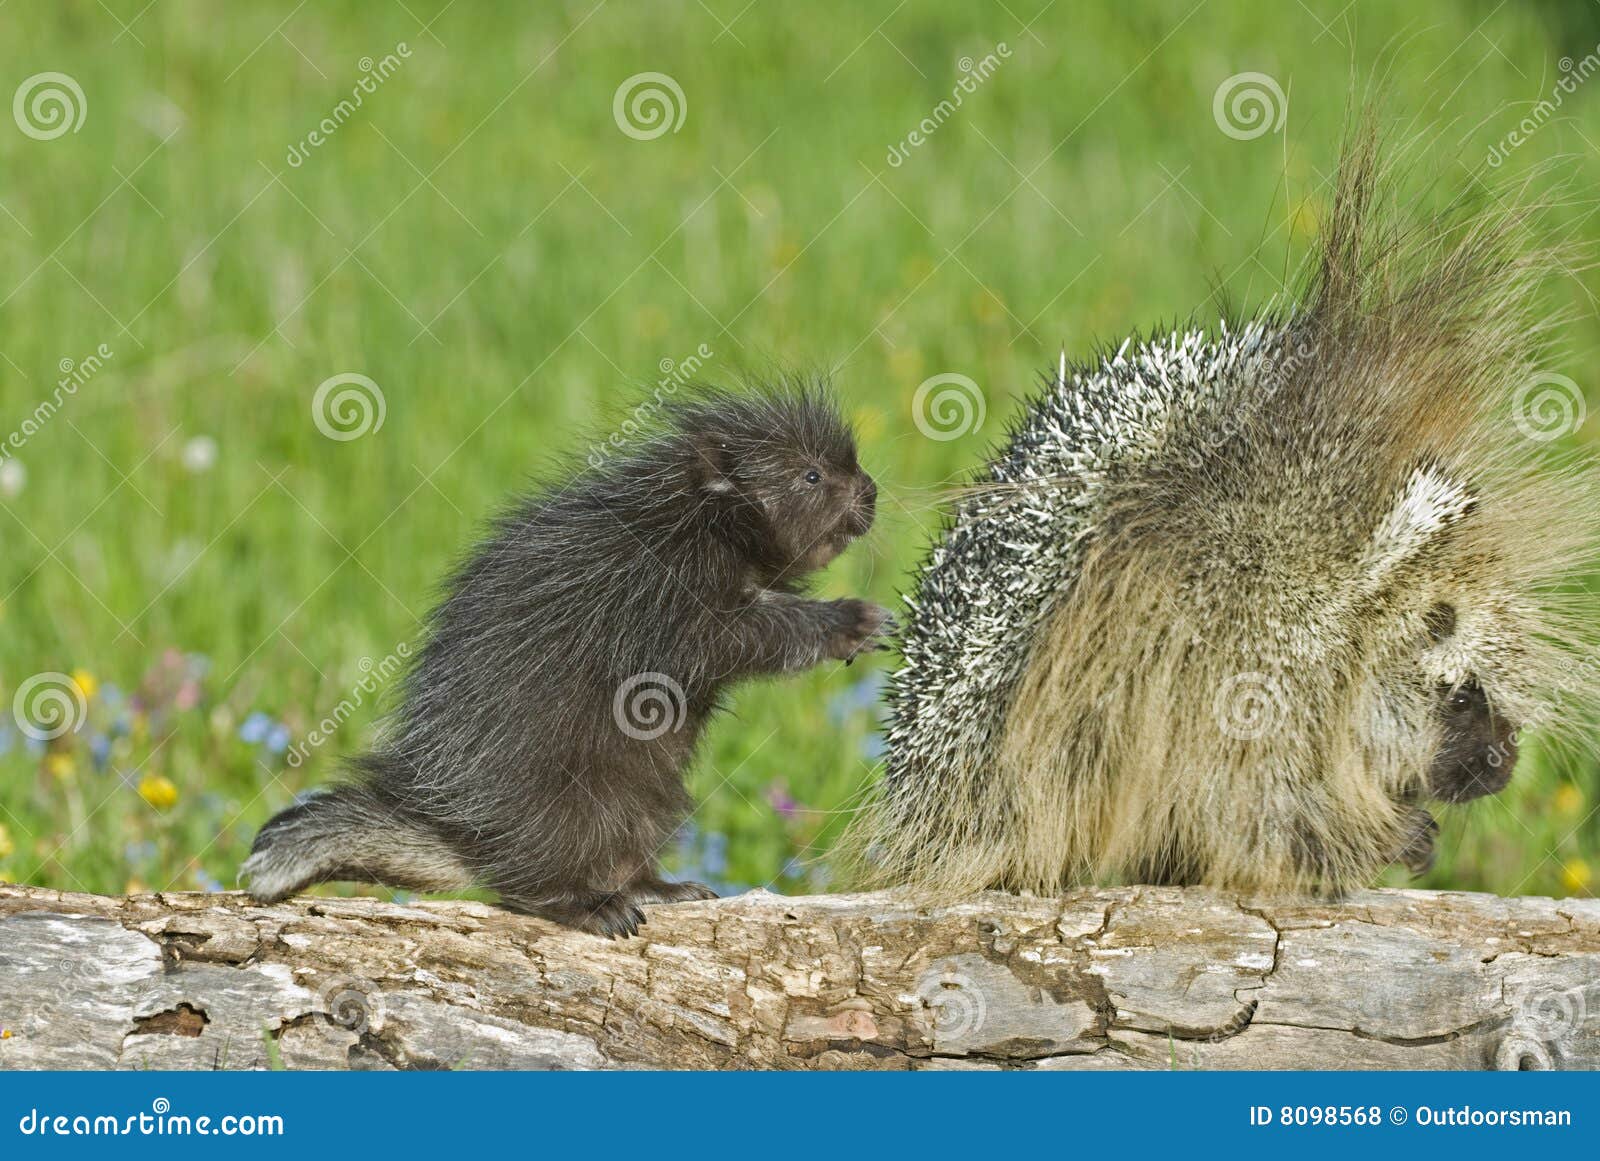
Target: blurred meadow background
x=291, y=295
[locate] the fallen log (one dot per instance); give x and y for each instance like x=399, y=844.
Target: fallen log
x=1106, y=978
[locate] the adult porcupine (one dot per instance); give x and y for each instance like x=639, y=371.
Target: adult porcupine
x=1232, y=608
x=541, y=742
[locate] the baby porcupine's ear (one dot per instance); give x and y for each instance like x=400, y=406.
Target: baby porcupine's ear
x=1422, y=517
x=713, y=462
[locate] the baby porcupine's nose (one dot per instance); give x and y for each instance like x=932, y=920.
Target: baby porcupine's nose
x=866, y=506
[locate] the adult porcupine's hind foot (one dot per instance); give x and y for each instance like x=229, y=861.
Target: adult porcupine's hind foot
x=648, y=891
x=1417, y=850
x=612, y=914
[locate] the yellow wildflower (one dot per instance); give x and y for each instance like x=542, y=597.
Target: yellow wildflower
x=1304, y=218
x=135, y=887
x=85, y=682
x=916, y=270
x=868, y=422
x=158, y=791
x=5, y=1034
x=651, y=322
x=1568, y=798
x=61, y=764
x=1576, y=875
x=987, y=307
x=6, y=845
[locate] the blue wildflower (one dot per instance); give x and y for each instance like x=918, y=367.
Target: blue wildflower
x=278, y=738
x=255, y=727
x=714, y=856
x=207, y=883
x=863, y=695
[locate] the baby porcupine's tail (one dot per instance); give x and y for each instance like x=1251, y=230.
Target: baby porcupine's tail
x=349, y=832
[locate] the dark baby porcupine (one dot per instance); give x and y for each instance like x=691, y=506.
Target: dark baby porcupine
x=543, y=734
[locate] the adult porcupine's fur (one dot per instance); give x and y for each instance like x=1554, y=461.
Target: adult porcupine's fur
x=1233, y=608
x=540, y=744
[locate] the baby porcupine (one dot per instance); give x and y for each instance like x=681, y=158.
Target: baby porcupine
x=545, y=727
x=1233, y=608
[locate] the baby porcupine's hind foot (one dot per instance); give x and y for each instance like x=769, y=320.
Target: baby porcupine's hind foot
x=1416, y=851
x=609, y=913
x=648, y=891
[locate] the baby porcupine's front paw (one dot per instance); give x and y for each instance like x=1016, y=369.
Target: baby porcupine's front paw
x=859, y=627
x=1416, y=851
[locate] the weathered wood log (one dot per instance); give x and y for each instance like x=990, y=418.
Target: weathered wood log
x=1113, y=978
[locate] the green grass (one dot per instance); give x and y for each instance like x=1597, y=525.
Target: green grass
x=482, y=241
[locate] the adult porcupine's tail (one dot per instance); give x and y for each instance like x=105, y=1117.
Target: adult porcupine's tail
x=349, y=832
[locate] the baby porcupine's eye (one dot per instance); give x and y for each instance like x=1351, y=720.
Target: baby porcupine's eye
x=813, y=476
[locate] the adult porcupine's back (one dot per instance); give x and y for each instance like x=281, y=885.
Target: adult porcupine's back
x=1219, y=608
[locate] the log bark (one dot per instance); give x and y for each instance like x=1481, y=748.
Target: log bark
x=1105, y=978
